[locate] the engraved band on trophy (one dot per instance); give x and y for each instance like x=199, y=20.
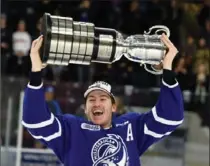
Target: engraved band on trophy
x=67, y=41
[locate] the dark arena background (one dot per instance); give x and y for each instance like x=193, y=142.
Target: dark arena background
x=135, y=89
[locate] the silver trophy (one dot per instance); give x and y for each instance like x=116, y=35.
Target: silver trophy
x=67, y=41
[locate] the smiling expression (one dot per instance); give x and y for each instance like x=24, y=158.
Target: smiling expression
x=99, y=108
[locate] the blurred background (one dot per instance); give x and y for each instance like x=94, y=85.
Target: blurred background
x=135, y=89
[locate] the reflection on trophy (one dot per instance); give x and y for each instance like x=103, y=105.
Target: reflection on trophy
x=67, y=41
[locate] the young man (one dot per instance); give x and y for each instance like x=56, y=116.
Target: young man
x=102, y=140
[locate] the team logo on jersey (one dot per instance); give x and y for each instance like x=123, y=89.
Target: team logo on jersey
x=110, y=151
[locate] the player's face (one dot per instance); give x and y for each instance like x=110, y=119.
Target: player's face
x=99, y=108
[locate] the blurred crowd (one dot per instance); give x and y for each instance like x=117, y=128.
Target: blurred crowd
x=188, y=21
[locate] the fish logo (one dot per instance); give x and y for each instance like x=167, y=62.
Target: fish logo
x=110, y=151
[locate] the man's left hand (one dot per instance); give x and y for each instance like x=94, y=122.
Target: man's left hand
x=170, y=55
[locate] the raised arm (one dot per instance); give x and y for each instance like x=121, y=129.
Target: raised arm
x=168, y=112
x=53, y=131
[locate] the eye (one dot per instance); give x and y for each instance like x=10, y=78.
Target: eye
x=91, y=100
x=103, y=99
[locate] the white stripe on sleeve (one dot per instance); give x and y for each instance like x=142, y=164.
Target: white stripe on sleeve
x=50, y=137
x=41, y=124
x=164, y=121
x=153, y=134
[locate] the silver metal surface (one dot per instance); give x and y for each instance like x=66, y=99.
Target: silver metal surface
x=54, y=43
x=83, y=43
x=61, y=37
x=105, y=48
x=90, y=42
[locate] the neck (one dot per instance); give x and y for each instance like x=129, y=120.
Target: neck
x=107, y=126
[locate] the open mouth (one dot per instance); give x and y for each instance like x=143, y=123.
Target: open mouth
x=97, y=112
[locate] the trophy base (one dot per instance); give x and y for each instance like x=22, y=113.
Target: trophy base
x=46, y=32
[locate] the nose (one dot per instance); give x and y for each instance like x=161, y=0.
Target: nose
x=97, y=103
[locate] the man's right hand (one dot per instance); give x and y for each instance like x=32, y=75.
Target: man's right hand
x=34, y=55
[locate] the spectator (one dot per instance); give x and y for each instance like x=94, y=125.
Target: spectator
x=21, y=40
x=204, y=13
x=202, y=53
x=189, y=22
x=21, y=44
x=202, y=82
x=190, y=47
x=51, y=102
x=5, y=43
x=189, y=52
x=173, y=21
x=83, y=10
x=120, y=106
x=205, y=32
x=200, y=93
x=132, y=17
x=182, y=74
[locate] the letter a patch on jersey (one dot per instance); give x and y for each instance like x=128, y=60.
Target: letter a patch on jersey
x=129, y=133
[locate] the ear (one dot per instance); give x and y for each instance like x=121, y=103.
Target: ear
x=114, y=107
x=85, y=109
x=86, y=113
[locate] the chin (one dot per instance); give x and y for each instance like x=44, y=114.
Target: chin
x=97, y=122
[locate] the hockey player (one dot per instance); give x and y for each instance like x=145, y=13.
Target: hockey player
x=102, y=140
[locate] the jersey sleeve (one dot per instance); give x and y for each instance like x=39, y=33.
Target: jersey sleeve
x=54, y=131
x=163, y=118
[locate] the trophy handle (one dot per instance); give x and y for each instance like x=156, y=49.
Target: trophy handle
x=153, y=71
x=144, y=63
x=159, y=29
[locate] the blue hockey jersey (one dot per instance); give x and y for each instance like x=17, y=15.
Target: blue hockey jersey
x=78, y=142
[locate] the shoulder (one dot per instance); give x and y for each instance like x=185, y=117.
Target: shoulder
x=71, y=119
x=131, y=116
